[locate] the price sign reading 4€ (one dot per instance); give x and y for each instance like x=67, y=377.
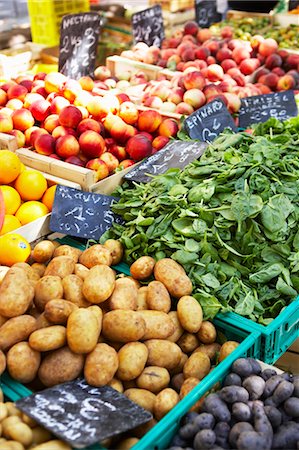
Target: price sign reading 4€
x=79, y=34
x=148, y=27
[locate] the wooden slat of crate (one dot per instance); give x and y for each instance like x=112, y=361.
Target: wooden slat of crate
x=165, y=114
x=35, y=230
x=84, y=177
x=118, y=65
x=173, y=5
x=234, y=14
x=8, y=142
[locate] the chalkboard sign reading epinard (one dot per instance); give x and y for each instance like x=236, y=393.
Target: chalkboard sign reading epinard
x=176, y=154
x=82, y=415
x=206, y=13
x=148, y=27
x=79, y=34
x=209, y=121
x=82, y=214
x=260, y=108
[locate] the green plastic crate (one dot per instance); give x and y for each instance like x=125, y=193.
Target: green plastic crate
x=276, y=337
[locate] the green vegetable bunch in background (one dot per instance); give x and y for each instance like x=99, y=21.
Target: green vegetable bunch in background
x=231, y=219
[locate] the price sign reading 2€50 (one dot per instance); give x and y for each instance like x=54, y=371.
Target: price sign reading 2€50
x=148, y=27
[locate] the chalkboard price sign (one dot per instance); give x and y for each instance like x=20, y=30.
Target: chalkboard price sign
x=79, y=34
x=209, y=121
x=260, y=108
x=148, y=26
x=206, y=13
x=82, y=214
x=176, y=154
x=82, y=415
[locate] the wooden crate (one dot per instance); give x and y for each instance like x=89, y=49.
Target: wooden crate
x=173, y=5
x=234, y=14
x=36, y=230
x=118, y=65
x=8, y=142
x=165, y=114
x=14, y=62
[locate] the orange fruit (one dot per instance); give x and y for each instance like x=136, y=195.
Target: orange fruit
x=31, y=185
x=10, y=166
x=12, y=199
x=48, y=197
x=13, y=249
x=30, y=211
x=10, y=223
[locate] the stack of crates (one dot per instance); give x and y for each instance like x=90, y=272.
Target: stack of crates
x=46, y=16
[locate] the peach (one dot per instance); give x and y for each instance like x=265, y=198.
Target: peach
x=40, y=76
x=122, y=97
x=92, y=144
x=161, y=90
x=184, y=108
x=30, y=98
x=70, y=116
x=40, y=90
x=74, y=160
x=126, y=163
x=51, y=122
x=84, y=112
x=54, y=156
x=273, y=60
x=20, y=137
x=7, y=111
x=233, y=102
x=149, y=121
x=110, y=160
x=128, y=112
x=195, y=98
x=204, y=34
x=63, y=131
x=35, y=134
x=118, y=151
x=191, y=27
x=14, y=104
x=3, y=97
x=70, y=89
x=286, y=82
x=240, y=53
x=218, y=97
x=202, y=53
x=7, y=85
x=248, y=66
x=176, y=95
x=228, y=64
x=17, y=91
x=44, y=144
x=267, y=47
x=210, y=90
x=159, y=142
x=6, y=123
x=292, y=61
x=211, y=60
x=188, y=55
x=58, y=103
x=22, y=119
x=256, y=40
x=168, y=128
x=194, y=80
x=100, y=107
x=40, y=109
x=54, y=81
x=83, y=98
x=213, y=46
x=279, y=71
x=139, y=147
x=100, y=168
x=28, y=84
x=222, y=54
x=89, y=124
x=101, y=73
x=121, y=131
x=28, y=133
x=146, y=134
x=271, y=80
x=226, y=32
x=215, y=72
x=67, y=146
x=86, y=83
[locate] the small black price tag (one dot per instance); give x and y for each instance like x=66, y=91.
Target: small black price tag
x=82, y=214
x=79, y=34
x=148, y=26
x=206, y=13
x=209, y=121
x=260, y=108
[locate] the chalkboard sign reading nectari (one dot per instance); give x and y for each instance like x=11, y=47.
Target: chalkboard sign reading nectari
x=209, y=121
x=82, y=214
x=82, y=415
x=260, y=108
x=148, y=27
x=176, y=154
x=206, y=13
x=79, y=34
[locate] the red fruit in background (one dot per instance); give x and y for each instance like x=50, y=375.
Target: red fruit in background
x=271, y=80
x=92, y=144
x=139, y=147
x=110, y=160
x=278, y=71
x=149, y=121
x=67, y=146
x=63, y=131
x=228, y=64
x=22, y=119
x=118, y=151
x=146, y=134
x=222, y=54
x=248, y=66
x=70, y=116
x=89, y=124
x=204, y=34
x=226, y=32
x=194, y=80
x=191, y=27
x=273, y=60
x=268, y=46
x=122, y=97
x=127, y=163
x=160, y=142
x=285, y=83
x=202, y=53
x=168, y=128
x=17, y=91
x=239, y=54
x=40, y=109
x=44, y=144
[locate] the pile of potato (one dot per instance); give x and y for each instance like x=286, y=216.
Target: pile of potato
x=68, y=313
x=20, y=432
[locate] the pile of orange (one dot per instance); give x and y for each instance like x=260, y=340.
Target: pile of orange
x=25, y=192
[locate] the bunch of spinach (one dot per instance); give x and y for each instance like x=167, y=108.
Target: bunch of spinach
x=230, y=218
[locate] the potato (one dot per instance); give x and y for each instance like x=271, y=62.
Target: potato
x=116, y=249
x=2, y=320
x=124, y=295
x=12, y=445
x=67, y=250
x=117, y=385
x=96, y=255
x=55, y=444
x=2, y=362
x=83, y=330
x=16, y=293
x=26, y=419
x=13, y=410
x=174, y=278
x=178, y=329
x=123, y=326
x=132, y=358
x=187, y=386
x=177, y=381
x=158, y=297
x=210, y=350
x=7, y=423
x=23, y=362
x=207, y=333
x=40, y=435
x=46, y=289
x=189, y=313
x=153, y=379
x=58, y=311
x=72, y=288
x=197, y=366
x=188, y=342
x=32, y=275
x=158, y=325
x=39, y=268
x=60, y=266
x=16, y=330
x=81, y=271
x=142, y=268
x=20, y=432
x=60, y=366
x=3, y=411
x=43, y=251
x=136, y=282
x=42, y=322
x=127, y=443
x=99, y=284
x=141, y=299
x=98, y=313
x=163, y=353
x=165, y=401
x=180, y=366
x=46, y=339
x=100, y=365
x=142, y=397
x=226, y=349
